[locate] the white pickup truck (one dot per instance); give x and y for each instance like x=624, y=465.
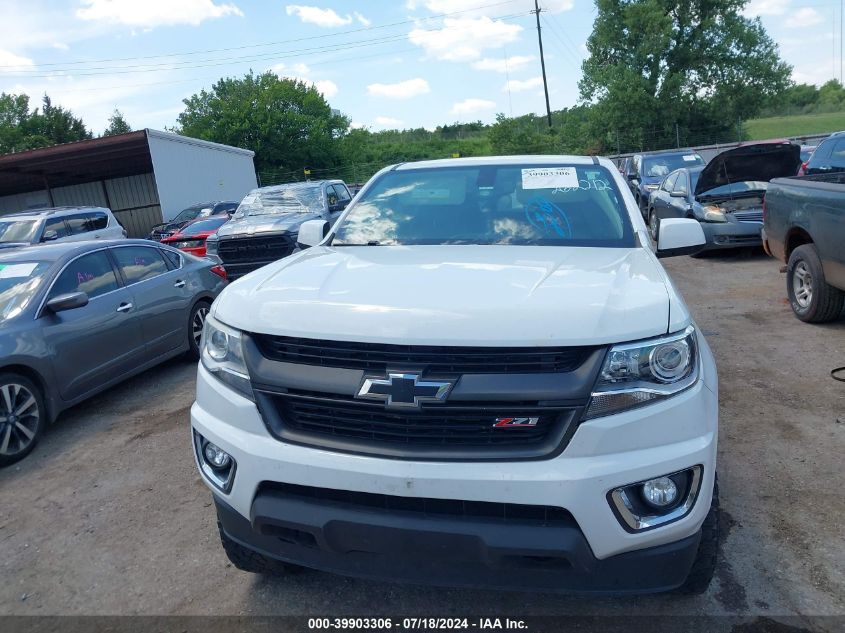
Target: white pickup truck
x=480, y=376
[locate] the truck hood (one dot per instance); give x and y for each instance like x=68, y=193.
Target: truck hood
x=271, y=223
x=458, y=295
x=759, y=162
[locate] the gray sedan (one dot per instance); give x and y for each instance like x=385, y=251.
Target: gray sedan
x=77, y=318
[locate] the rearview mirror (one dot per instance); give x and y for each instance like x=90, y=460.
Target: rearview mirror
x=67, y=301
x=49, y=236
x=312, y=233
x=680, y=236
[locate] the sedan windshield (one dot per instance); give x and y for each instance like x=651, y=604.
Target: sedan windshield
x=659, y=166
x=201, y=226
x=18, y=283
x=294, y=198
x=561, y=205
x=18, y=230
x=191, y=213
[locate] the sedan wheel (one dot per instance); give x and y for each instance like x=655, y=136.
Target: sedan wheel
x=199, y=313
x=21, y=417
x=653, y=225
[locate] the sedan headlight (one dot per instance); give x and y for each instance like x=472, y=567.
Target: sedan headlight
x=635, y=374
x=714, y=214
x=222, y=355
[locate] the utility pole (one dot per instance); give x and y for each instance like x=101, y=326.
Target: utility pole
x=677, y=137
x=543, y=62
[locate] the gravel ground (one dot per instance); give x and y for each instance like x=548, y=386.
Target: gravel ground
x=109, y=516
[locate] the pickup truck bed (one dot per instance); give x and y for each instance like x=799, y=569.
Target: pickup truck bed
x=804, y=226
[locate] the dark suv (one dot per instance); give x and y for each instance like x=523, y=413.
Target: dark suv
x=829, y=156
x=645, y=172
x=266, y=224
x=201, y=210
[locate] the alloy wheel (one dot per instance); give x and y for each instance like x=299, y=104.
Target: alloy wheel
x=802, y=284
x=197, y=323
x=19, y=418
x=653, y=225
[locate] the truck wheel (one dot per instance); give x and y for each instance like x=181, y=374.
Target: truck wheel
x=22, y=417
x=812, y=299
x=251, y=561
x=704, y=565
x=196, y=321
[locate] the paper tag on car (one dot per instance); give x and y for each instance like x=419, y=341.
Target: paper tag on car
x=549, y=178
x=10, y=271
x=689, y=158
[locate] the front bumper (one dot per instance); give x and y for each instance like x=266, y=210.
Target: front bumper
x=441, y=551
x=721, y=235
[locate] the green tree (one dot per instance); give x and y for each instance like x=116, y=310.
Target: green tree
x=286, y=122
x=117, y=124
x=653, y=64
x=22, y=129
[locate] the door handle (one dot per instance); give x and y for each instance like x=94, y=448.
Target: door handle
x=124, y=307
x=179, y=284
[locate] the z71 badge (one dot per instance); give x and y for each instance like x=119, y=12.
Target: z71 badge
x=512, y=422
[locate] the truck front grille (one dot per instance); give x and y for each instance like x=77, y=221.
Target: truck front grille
x=344, y=423
x=379, y=357
x=242, y=255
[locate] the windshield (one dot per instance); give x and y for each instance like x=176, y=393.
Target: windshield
x=299, y=198
x=18, y=283
x=190, y=213
x=212, y=224
x=732, y=189
x=562, y=205
x=659, y=166
x=18, y=230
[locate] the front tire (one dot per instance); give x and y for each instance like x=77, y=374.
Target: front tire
x=22, y=417
x=704, y=566
x=653, y=225
x=812, y=299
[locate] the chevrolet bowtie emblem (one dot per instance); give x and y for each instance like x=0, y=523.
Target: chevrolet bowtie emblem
x=404, y=389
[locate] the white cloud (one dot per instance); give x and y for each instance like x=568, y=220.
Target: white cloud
x=8, y=58
x=503, y=65
x=61, y=46
x=362, y=19
x=387, y=121
x=154, y=12
x=401, y=90
x=805, y=17
x=463, y=39
x=326, y=18
x=327, y=87
x=477, y=8
x=518, y=85
x=470, y=106
x=765, y=7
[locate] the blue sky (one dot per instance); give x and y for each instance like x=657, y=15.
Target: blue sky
x=385, y=64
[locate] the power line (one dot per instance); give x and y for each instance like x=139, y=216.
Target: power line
x=246, y=46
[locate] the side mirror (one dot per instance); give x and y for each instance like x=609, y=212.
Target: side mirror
x=49, y=236
x=678, y=194
x=680, y=236
x=312, y=233
x=67, y=301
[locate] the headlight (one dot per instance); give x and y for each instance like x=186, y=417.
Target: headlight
x=651, y=187
x=211, y=245
x=714, y=214
x=222, y=355
x=635, y=374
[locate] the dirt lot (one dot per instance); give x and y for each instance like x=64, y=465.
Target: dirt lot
x=109, y=516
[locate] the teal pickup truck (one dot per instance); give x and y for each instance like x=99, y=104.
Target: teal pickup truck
x=804, y=226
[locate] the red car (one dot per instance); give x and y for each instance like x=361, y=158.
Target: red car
x=191, y=238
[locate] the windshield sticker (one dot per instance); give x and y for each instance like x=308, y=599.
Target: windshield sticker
x=549, y=178
x=10, y=271
x=690, y=158
x=584, y=185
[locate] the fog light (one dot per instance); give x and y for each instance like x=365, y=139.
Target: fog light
x=216, y=456
x=659, y=493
